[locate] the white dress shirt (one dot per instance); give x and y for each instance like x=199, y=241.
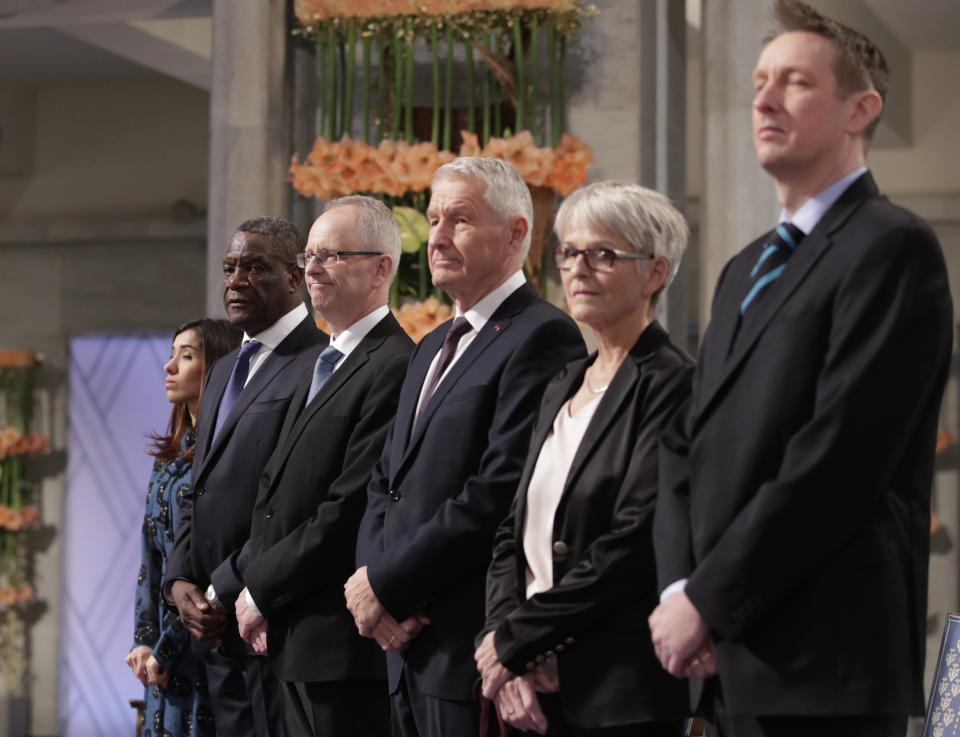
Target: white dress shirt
x=477, y=316
x=273, y=336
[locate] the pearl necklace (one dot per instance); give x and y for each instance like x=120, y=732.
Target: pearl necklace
x=601, y=390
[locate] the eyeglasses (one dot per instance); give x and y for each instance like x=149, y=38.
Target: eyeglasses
x=328, y=258
x=598, y=259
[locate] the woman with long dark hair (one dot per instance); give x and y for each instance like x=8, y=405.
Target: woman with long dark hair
x=176, y=693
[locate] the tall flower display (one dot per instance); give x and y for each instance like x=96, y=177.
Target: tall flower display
x=497, y=89
x=17, y=515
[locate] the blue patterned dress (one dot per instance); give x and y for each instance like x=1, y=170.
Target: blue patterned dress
x=183, y=707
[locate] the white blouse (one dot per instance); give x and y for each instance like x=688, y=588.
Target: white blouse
x=545, y=490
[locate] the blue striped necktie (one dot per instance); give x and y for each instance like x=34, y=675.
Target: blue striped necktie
x=323, y=369
x=779, y=248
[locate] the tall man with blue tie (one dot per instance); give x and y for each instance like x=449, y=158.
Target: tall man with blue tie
x=452, y=462
x=314, y=488
x=792, y=527
x=245, y=399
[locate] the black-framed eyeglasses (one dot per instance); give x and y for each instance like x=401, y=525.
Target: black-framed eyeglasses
x=328, y=258
x=598, y=259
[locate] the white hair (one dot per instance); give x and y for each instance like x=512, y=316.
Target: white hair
x=504, y=190
x=641, y=216
x=376, y=226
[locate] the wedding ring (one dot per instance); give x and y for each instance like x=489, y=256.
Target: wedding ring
x=706, y=656
x=695, y=661
x=393, y=639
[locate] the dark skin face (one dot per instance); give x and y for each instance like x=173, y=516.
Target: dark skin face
x=259, y=286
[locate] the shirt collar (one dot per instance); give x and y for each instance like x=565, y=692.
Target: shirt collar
x=276, y=333
x=810, y=212
x=483, y=310
x=351, y=337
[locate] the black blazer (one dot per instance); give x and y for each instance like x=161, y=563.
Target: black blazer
x=797, y=496
x=594, y=618
x=215, y=513
x=312, y=495
x=438, y=494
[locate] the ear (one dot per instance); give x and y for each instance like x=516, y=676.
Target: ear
x=867, y=105
x=518, y=231
x=384, y=264
x=657, y=271
x=294, y=278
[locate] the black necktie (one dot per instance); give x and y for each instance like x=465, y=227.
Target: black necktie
x=778, y=249
x=241, y=369
x=457, y=330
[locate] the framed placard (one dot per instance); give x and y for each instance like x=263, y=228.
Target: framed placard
x=943, y=709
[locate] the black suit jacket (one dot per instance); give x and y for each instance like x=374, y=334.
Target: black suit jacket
x=797, y=497
x=438, y=493
x=311, y=498
x=215, y=514
x=594, y=618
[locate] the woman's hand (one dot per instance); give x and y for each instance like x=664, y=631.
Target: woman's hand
x=155, y=674
x=137, y=660
x=518, y=705
x=491, y=669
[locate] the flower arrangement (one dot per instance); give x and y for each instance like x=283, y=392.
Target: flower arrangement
x=16, y=516
x=395, y=168
x=312, y=11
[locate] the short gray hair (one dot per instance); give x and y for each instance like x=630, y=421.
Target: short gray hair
x=642, y=217
x=504, y=190
x=376, y=226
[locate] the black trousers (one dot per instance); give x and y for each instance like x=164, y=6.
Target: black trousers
x=417, y=714
x=336, y=709
x=244, y=694
x=868, y=725
x=559, y=726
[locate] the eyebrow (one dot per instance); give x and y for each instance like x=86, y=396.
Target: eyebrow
x=187, y=346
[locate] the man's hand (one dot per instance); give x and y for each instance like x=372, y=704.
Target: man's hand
x=492, y=671
x=394, y=636
x=679, y=632
x=703, y=664
x=247, y=619
x=205, y=621
x=518, y=705
x=137, y=660
x=258, y=638
x=156, y=674
x=363, y=603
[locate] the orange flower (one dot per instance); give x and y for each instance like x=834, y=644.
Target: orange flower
x=24, y=593
x=8, y=596
x=470, y=145
x=5, y=512
x=14, y=520
x=29, y=516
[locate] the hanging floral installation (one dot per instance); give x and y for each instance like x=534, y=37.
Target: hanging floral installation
x=17, y=515
x=510, y=94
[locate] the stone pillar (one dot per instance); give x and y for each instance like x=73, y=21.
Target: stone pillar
x=249, y=124
x=739, y=200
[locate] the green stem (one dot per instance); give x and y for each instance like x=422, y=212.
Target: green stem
x=554, y=102
x=424, y=274
x=398, y=81
x=435, y=50
x=471, y=101
x=448, y=91
x=331, y=84
x=382, y=88
x=322, y=111
x=342, y=87
x=395, y=291
x=534, y=107
x=16, y=496
x=486, y=92
x=562, y=84
x=521, y=74
x=367, y=42
x=498, y=101
x=349, y=77
x=408, y=83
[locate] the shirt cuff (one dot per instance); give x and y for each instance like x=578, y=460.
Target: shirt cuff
x=251, y=603
x=675, y=588
x=211, y=596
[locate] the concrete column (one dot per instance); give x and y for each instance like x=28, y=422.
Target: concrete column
x=249, y=124
x=739, y=201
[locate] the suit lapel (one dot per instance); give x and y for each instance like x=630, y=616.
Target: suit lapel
x=416, y=377
x=717, y=371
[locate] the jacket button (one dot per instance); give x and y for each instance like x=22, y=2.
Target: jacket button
x=199, y=491
x=268, y=513
x=394, y=495
x=540, y=659
x=530, y=666
x=560, y=647
x=570, y=641
x=559, y=548
x=550, y=654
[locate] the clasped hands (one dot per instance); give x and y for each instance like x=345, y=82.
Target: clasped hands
x=146, y=668
x=681, y=638
x=205, y=621
x=252, y=625
x=374, y=621
x=514, y=696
